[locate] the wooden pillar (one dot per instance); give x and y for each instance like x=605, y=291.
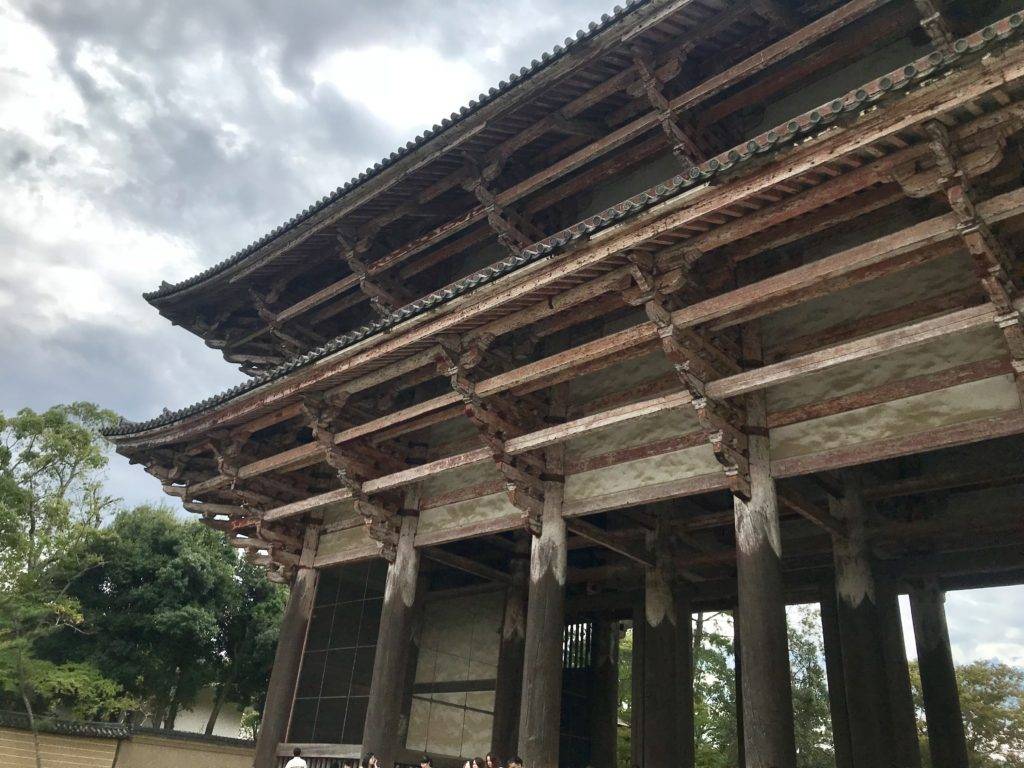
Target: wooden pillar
x=509, y=677
x=665, y=735
x=288, y=656
x=381, y=730
x=836, y=679
x=737, y=660
x=768, y=733
x=636, y=714
x=946, y=742
x=867, y=702
x=902, y=715
x=604, y=694
x=540, y=714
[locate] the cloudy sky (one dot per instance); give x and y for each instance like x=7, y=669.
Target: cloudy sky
x=143, y=140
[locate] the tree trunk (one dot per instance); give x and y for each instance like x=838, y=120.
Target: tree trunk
x=172, y=710
x=31, y=720
x=218, y=701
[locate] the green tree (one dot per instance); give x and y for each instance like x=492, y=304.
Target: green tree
x=51, y=501
x=247, y=639
x=156, y=600
x=51, y=484
x=992, y=701
x=714, y=692
x=812, y=718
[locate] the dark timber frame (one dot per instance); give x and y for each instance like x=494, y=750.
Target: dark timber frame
x=789, y=372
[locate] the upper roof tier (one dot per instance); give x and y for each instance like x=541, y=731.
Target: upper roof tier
x=710, y=205
x=518, y=163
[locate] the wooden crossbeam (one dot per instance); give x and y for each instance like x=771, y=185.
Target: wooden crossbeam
x=466, y=565
x=603, y=538
x=750, y=301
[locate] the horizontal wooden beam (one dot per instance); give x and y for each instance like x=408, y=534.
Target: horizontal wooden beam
x=603, y=538
x=466, y=565
x=858, y=350
x=919, y=105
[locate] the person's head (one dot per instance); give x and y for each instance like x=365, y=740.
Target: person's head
x=478, y=762
x=370, y=760
x=490, y=760
x=515, y=762
x=426, y=762
x=296, y=752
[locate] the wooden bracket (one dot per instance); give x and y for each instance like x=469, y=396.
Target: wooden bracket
x=993, y=263
x=497, y=419
x=697, y=361
x=384, y=293
x=514, y=231
x=355, y=463
x=687, y=144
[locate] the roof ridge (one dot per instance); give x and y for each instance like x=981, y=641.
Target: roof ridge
x=768, y=141
x=504, y=86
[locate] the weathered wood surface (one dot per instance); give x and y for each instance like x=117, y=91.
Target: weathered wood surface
x=918, y=106
x=946, y=740
x=768, y=730
x=288, y=656
x=382, y=730
x=836, y=677
x=863, y=657
x=509, y=676
x=540, y=712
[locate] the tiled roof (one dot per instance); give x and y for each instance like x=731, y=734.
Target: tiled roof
x=514, y=79
x=782, y=135
x=19, y=721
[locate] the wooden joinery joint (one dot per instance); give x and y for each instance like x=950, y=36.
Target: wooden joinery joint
x=697, y=361
x=385, y=294
x=936, y=26
x=681, y=132
x=992, y=262
x=497, y=419
x=514, y=231
x=354, y=463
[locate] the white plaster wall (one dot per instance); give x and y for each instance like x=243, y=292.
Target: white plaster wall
x=460, y=641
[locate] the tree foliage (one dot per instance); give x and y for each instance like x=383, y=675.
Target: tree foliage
x=51, y=501
x=138, y=614
x=992, y=702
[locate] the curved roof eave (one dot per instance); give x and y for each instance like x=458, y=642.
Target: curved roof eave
x=772, y=140
x=321, y=206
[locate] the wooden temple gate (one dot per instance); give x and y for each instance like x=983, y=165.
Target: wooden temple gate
x=714, y=306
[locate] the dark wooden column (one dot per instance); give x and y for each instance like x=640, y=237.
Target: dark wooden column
x=946, y=741
x=867, y=702
x=540, y=714
x=509, y=682
x=836, y=679
x=902, y=715
x=604, y=694
x=382, y=729
x=288, y=656
x=663, y=639
x=767, y=693
x=737, y=660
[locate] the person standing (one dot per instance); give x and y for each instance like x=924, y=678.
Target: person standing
x=296, y=761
